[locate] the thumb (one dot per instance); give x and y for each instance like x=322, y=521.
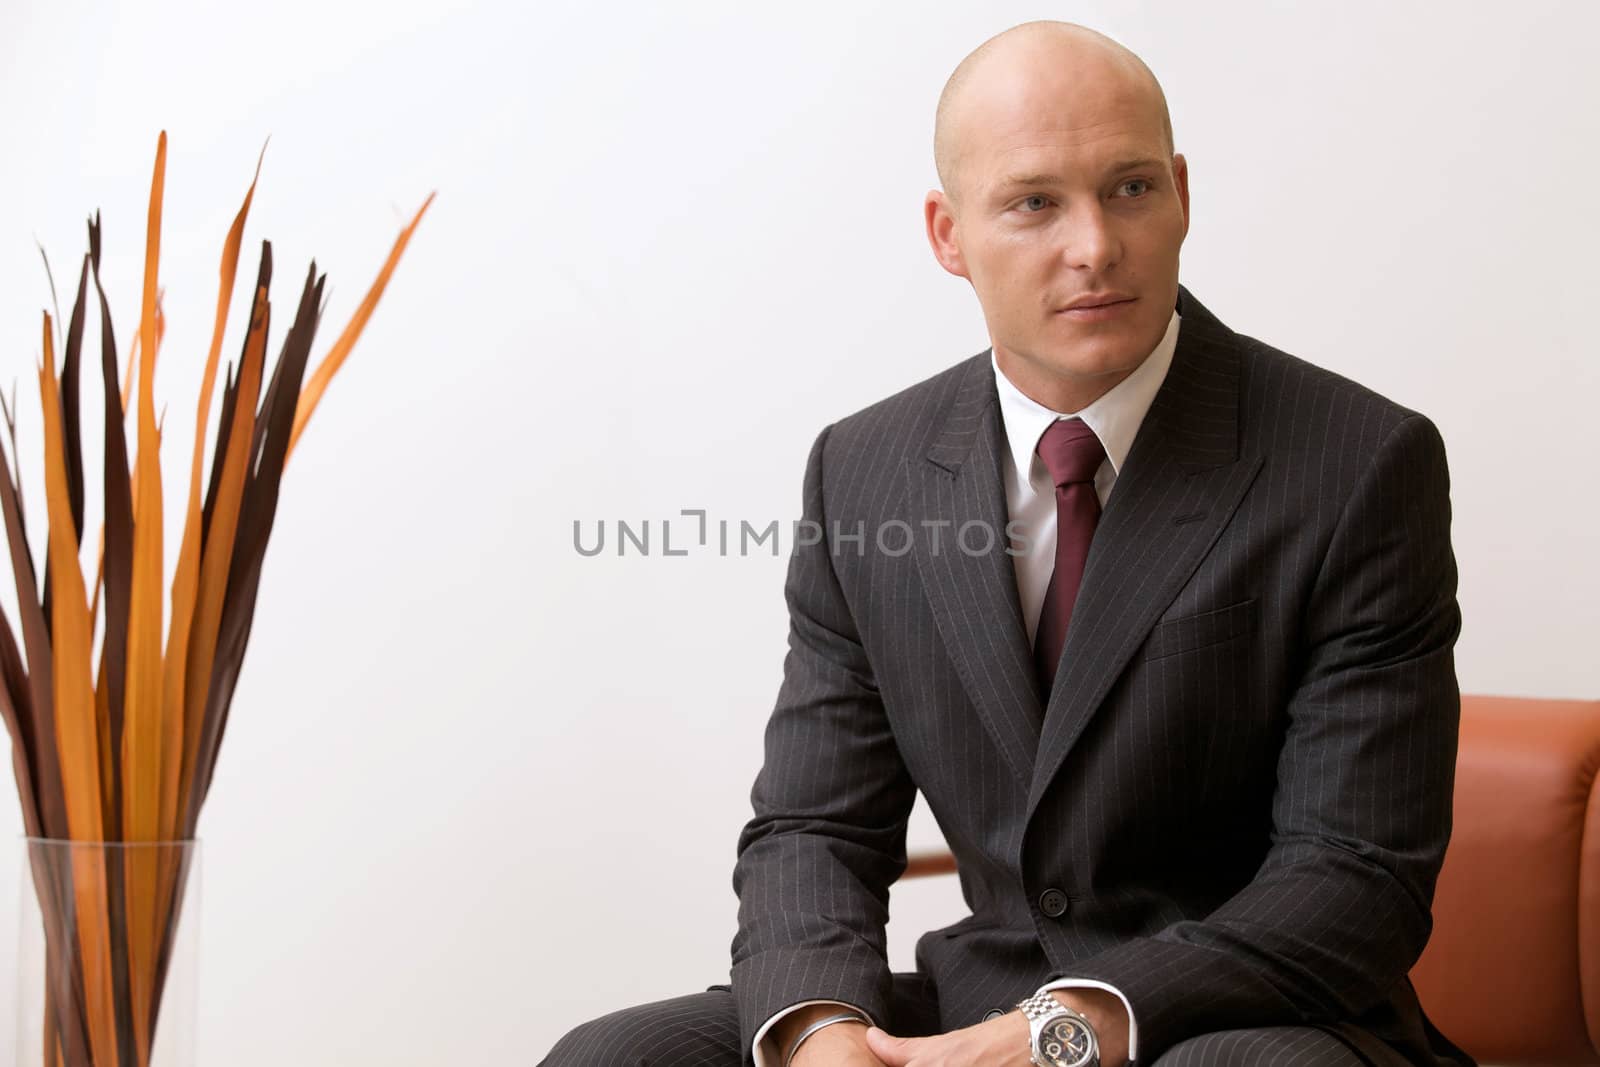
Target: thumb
x=893, y=1051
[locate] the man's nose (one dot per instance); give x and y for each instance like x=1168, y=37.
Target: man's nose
x=1088, y=241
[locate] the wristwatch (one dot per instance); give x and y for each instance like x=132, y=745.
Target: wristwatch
x=1059, y=1036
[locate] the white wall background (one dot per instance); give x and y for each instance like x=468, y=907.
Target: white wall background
x=477, y=788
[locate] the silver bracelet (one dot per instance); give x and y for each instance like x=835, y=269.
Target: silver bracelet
x=842, y=1017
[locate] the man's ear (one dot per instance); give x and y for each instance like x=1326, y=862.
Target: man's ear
x=1180, y=176
x=941, y=225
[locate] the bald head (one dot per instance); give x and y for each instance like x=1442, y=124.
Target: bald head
x=1040, y=48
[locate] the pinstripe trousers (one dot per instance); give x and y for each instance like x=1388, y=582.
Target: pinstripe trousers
x=702, y=1030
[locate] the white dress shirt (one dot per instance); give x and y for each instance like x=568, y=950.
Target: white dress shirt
x=1031, y=502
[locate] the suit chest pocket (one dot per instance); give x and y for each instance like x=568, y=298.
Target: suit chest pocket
x=1189, y=632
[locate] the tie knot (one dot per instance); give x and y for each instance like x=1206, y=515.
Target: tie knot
x=1071, y=451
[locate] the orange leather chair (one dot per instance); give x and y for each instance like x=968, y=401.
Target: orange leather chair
x=1512, y=971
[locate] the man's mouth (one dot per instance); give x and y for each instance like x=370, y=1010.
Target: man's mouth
x=1093, y=312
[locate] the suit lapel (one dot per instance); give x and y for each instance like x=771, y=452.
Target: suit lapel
x=973, y=592
x=1181, y=482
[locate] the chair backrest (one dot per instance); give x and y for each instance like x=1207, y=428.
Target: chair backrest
x=1512, y=971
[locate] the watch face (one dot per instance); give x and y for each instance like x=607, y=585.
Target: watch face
x=1065, y=1043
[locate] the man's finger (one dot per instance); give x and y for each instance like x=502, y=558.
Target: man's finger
x=893, y=1051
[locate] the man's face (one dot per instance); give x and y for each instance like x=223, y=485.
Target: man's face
x=1065, y=191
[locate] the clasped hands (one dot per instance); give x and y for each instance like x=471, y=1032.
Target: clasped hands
x=999, y=1042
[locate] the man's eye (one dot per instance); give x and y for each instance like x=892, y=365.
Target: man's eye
x=1142, y=186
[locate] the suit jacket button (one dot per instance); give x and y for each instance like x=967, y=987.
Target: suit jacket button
x=992, y=1013
x=1053, y=902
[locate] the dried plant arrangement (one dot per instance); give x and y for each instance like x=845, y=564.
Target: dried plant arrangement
x=117, y=744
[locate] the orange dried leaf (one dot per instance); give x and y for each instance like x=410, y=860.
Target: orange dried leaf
x=318, y=382
x=218, y=554
x=141, y=737
x=75, y=722
x=186, y=579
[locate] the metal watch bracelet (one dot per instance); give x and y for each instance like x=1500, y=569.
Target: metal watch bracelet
x=841, y=1017
x=1040, y=1006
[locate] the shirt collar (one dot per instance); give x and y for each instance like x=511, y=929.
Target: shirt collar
x=1114, y=417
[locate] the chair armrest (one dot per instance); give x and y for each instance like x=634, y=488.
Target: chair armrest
x=1512, y=970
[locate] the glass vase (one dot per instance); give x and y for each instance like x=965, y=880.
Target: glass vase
x=107, y=953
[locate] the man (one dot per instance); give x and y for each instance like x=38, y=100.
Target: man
x=1192, y=741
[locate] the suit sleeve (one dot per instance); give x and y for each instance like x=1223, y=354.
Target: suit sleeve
x=830, y=807
x=1341, y=906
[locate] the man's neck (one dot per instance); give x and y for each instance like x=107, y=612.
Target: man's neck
x=1063, y=394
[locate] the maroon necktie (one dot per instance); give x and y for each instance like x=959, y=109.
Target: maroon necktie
x=1072, y=453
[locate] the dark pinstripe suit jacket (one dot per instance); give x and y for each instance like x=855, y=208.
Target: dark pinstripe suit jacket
x=1235, y=802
